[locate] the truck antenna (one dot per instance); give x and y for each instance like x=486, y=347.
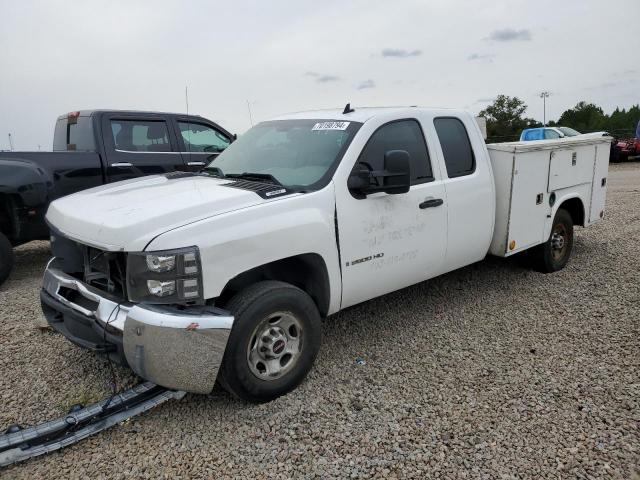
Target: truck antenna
x=250, y=116
x=186, y=101
x=347, y=109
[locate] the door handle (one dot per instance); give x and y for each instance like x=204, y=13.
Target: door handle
x=121, y=165
x=432, y=202
x=196, y=164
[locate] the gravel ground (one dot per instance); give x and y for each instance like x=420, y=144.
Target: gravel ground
x=492, y=371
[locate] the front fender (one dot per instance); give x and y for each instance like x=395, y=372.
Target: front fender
x=237, y=241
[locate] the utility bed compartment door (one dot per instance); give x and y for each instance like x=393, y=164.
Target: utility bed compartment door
x=570, y=167
x=529, y=203
x=599, y=192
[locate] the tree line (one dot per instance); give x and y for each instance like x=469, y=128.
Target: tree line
x=506, y=120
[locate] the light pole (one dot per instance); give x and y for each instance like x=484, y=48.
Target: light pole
x=544, y=96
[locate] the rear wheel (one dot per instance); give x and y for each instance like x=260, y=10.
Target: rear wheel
x=274, y=341
x=6, y=258
x=554, y=254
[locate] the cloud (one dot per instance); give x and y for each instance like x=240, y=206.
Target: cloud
x=366, y=84
x=400, y=53
x=322, y=78
x=604, y=85
x=509, y=35
x=485, y=100
x=481, y=56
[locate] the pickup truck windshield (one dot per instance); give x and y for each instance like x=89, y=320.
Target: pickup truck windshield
x=297, y=153
x=569, y=132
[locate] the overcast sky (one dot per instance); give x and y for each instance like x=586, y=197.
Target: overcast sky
x=291, y=55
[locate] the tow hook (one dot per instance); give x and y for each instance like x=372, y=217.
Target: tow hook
x=19, y=443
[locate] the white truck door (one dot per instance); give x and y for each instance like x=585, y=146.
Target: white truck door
x=388, y=242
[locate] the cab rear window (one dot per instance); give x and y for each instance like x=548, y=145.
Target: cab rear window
x=74, y=134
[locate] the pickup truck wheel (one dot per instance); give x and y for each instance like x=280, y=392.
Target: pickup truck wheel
x=6, y=258
x=554, y=254
x=273, y=343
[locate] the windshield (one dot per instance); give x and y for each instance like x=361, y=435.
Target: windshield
x=296, y=153
x=569, y=132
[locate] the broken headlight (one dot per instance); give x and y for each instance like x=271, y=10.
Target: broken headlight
x=168, y=276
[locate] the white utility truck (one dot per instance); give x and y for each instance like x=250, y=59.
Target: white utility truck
x=225, y=274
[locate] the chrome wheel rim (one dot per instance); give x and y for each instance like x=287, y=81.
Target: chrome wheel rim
x=275, y=346
x=559, y=242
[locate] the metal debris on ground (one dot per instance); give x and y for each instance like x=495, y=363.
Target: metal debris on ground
x=18, y=444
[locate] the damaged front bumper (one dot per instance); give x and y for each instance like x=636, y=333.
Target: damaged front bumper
x=177, y=348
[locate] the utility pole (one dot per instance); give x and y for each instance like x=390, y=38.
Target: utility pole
x=544, y=95
x=10, y=143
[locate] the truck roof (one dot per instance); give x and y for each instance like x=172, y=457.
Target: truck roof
x=88, y=113
x=362, y=114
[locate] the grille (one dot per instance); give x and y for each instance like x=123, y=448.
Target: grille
x=103, y=270
x=106, y=271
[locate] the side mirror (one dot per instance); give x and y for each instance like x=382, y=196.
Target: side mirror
x=394, y=179
x=397, y=165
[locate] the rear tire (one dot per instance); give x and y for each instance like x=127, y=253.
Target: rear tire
x=554, y=254
x=274, y=341
x=6, y=258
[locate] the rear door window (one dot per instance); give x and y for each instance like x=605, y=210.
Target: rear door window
x=140, y=135
x=456, y=146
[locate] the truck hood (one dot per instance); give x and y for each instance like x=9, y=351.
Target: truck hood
x=128, y=215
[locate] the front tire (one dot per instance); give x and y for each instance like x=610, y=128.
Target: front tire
x=554, y=254
x=274, y=341
x=6, y=258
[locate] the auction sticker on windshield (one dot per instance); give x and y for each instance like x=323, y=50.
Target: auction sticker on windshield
x=331, y=126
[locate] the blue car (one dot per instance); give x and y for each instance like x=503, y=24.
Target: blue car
x=551, y=133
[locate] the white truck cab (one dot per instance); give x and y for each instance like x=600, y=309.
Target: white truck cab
x=225, y=274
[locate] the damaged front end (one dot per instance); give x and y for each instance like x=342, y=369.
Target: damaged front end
x=84, y=297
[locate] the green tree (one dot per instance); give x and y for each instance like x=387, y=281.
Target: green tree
x=505, y=118
x=584, y=117
x=622, y=123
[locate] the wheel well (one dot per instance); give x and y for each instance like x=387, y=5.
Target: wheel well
x=575, y=207
x=307, y=272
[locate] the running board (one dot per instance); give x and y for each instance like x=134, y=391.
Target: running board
x=19, y=444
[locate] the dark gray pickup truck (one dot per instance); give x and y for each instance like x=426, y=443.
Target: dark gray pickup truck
x=94, y=147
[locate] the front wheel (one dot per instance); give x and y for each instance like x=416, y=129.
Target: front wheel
x=554, y=254
x=6, y=258
x=273, y=343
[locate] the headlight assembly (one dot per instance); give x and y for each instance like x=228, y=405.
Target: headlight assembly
x=168, y=276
